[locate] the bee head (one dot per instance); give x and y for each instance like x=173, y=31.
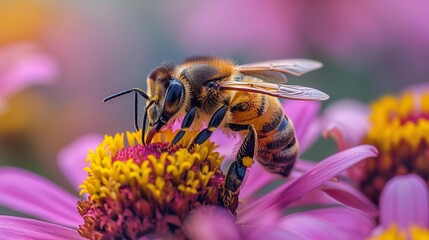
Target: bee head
x=168, y=94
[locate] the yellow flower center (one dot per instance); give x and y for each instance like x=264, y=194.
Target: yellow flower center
x=138, y=189
x=400, y=130
x=396, y=121
x=394, y=233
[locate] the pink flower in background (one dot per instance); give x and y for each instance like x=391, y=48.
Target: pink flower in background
x=404, y=209
x=22, y=65
x=35, y=195
x=397, y=125
x=258, y=215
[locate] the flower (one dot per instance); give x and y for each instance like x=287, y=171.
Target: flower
x=404, y=209
x=114, y=181
x=26, y=192
x=23, y=64
x=397, y=126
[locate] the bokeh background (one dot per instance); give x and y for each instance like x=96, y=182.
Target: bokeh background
x=59, y=59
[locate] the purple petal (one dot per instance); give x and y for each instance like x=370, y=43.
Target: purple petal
x=211, y=223
x=72, y=158
x=323, y=172
x=304, y=165
x=338, y=222
x=405, y=201
x=228, y=144
x=308, y=227
x=12, y=228
x=349, y=121
x=272, y=232
x=312, y=179
x=23, y=64
x=350, y=197
x=303, y=115
x=29, y=193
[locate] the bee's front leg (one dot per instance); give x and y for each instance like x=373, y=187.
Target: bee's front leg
x=237, y=171
x=186, y=124
x=214, y=123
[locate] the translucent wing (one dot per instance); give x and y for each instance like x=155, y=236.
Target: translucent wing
x=273, y=71
x=276, y=90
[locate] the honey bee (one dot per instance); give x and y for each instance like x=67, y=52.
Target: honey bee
x=238, y=98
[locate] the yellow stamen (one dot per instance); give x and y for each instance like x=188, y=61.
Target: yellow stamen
x=106, y=176
x=394, y=122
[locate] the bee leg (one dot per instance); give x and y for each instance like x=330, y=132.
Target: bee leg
x=187, y=121
x=237, y=171
x=243, y=159
x=213, y=124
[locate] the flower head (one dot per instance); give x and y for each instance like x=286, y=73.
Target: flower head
x=138, y=189
x=398, y=127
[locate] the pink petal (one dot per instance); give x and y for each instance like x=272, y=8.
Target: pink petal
x=323, y=172
x=348, y=121
x=304, y=165
x=405, y=201
x=23, y=64
x=308, y=227
x=211, y=223
x=338, y=134
x=12, y=228
x=310, y=180
x=29, y=193
x=338, y=222
x=336, y=193
x=72, y=158
x=347, y=195
x=303, y=115
x=272, y=233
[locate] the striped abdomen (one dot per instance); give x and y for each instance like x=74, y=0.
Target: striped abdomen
x=277, y=146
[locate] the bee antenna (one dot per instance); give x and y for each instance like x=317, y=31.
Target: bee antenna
x=137, y=90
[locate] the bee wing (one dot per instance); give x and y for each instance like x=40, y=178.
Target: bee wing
x=273, y=71
x=276, y=90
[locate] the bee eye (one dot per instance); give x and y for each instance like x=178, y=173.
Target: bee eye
x=210, y=84
x=174, y=95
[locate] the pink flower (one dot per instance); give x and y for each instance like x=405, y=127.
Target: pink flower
x=404, y=209
x=397, y=125
x=35, y=195
x=21, y=65
x=257, y=215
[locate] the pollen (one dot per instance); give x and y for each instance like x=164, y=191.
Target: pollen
x=400, y=131
x=136, y=189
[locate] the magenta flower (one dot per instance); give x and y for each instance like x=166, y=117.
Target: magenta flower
x=112, y=210
x=397, y=125
x=22, y=65
x=404, y=209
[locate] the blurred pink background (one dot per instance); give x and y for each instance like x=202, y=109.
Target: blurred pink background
x=83, y=51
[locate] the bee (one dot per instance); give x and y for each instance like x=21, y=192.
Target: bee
x=237, y=98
